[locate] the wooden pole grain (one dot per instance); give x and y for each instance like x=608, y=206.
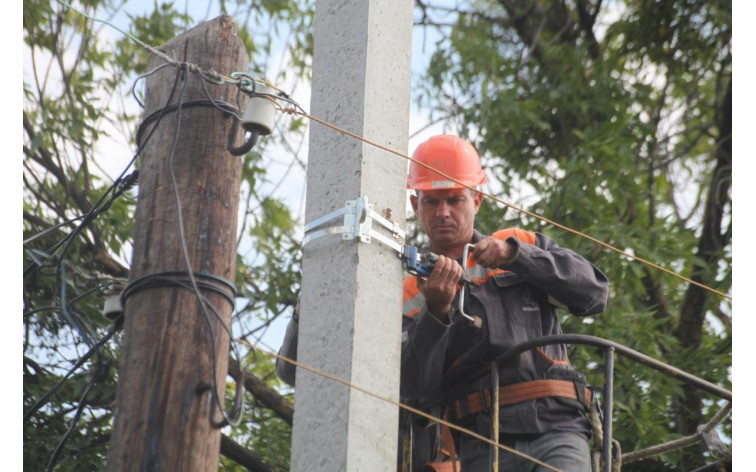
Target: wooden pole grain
x=164, y=401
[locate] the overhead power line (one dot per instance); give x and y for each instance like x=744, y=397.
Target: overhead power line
x=247, y=84
x=514, y=207
x=399, y=404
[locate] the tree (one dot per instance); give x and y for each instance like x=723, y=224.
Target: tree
x=77, y=217
x=613, y=118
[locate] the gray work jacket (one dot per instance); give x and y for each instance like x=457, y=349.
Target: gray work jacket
x=517, y=303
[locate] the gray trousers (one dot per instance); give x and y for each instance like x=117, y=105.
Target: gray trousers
x=568, y=452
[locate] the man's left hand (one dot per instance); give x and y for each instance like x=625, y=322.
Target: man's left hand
x=492, y=253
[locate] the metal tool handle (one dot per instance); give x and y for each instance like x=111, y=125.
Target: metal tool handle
x=475, y=321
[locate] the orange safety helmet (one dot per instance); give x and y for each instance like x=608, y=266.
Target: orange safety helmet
x=449, y=154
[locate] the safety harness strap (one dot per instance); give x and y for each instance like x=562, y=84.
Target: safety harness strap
x=518, y=393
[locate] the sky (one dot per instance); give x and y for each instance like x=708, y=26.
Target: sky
x=743, y=196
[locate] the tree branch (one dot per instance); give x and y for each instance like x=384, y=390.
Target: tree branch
x=712, y=241
x=243, y=456
x=587, y=20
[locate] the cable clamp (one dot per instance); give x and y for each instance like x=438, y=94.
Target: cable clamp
x=357, y=222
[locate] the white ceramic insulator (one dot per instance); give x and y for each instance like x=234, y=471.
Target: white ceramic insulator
x=260, y=112
x=113, y=306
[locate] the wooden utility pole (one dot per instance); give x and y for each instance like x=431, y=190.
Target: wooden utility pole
x=351, y=300
x=163, y=404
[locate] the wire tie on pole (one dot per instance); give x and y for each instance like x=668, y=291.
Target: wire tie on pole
x=181, y=279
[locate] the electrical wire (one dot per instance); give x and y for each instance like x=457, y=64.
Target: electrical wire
x=144, y=76
x=224, y=107
x=297, y=109
x=46, y=397
x=52, y=228
x=399, y=404
x=117, y=188
x=514, y=207
x=74, y=420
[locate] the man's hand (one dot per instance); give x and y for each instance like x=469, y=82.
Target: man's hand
x=440, y=287
x=492, y=253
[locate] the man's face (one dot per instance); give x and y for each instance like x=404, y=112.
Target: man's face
x=447, y=217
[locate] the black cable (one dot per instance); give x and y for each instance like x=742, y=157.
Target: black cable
x=233, y=418
x=52, y=228
x=77, y=324
x=77, y=415
x=46, y=397
x=225, y=107
x=120, y=185
x=172, y=278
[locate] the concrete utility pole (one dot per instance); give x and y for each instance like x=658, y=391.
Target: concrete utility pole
x=163, y=400
x=350, y=323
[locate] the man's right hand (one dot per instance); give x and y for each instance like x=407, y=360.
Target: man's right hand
x=440, y=287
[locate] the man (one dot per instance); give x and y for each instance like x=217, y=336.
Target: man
x=519, y=278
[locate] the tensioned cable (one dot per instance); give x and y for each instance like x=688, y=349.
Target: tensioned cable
x=510, y=205
x=299, y=111
x=398, y=404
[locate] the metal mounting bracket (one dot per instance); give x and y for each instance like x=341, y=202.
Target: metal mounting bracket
x=357, y=223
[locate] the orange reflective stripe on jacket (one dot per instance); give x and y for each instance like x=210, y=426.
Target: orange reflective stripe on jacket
x=412, y=299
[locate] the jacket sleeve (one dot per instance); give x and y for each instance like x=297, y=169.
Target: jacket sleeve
x=569, y=279
x=424, y=340
x=285, y=370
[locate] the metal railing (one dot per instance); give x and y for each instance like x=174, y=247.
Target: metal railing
x=610, y=348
